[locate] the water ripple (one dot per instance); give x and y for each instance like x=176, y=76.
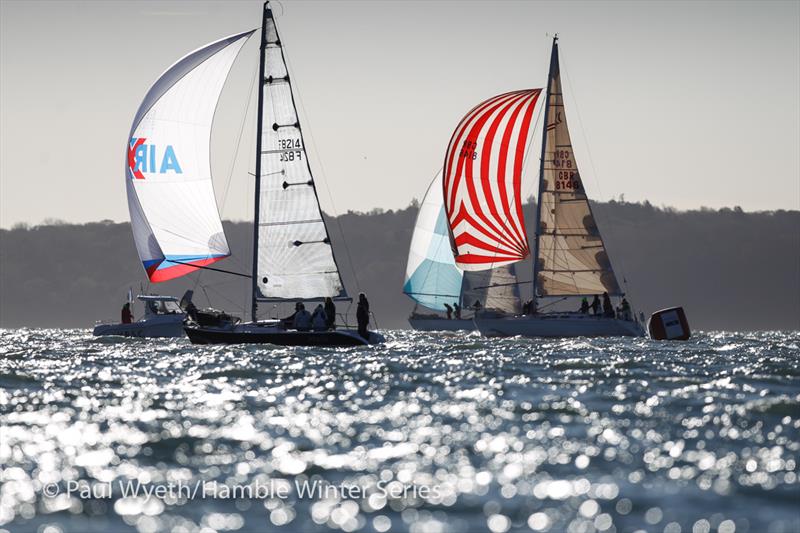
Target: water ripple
x=430, y=432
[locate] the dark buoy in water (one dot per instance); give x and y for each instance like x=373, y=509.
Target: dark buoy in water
x=669, y=324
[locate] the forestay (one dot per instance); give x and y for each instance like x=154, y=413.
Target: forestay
x=482, y=181
x=432, y=278
x=294, y=255
x=496, y=289
x=174, y=216
x=572, y=259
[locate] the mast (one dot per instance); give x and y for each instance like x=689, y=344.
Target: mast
x=288, y=210
x=553, y=68
x=254, y=304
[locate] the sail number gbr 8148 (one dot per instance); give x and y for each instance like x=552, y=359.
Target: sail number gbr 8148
x=290, y=149
x=469, y=150
x=567, y=178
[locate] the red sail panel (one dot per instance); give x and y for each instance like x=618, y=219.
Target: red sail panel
x=483, y=181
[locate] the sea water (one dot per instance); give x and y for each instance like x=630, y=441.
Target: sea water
x=427, y=433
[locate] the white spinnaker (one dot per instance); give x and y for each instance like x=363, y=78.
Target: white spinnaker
x=174, y=216
x=295, y=259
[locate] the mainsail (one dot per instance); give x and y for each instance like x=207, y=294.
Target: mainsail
x=496, y=289
x=432, y=278
x=482, y=181
x=174, y=216
x=293, y=257
x=572, y=259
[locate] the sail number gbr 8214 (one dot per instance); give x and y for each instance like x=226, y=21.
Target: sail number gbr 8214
x=290, y=149
x=567, y=178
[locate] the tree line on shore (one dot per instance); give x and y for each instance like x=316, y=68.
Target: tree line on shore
x=730, y=269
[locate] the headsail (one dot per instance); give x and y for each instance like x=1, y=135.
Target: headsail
x=572, y=259
x=174, y=216
x=432, y=278
x=496, y=289
x=482, y=181
x=294, y=255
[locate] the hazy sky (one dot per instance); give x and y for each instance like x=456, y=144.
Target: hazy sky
x=683, y=104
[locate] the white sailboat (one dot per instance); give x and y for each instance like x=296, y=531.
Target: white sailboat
x=434, y=281
x=174, y=215
x=163, y=317
x=483, y=169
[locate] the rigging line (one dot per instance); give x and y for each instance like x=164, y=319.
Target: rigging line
x=591, y=163
x=239, y=137
x=309, y=130
x=221, y=295
x=210, y=268
x=553, y=303
x=208, y=298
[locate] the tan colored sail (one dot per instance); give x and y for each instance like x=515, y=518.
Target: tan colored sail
x=572, y=258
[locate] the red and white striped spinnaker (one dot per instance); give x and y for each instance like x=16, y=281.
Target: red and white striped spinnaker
x=483, y=179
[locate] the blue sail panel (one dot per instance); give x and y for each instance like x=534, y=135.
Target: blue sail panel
x=434, y=284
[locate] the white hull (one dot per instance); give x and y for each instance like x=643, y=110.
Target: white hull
x=557, y=325
x=441, y=324
x=156, y=326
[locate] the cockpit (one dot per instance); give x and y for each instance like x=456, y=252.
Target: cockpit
x=161, y=306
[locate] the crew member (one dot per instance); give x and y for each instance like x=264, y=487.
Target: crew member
x=362, y=316
x=626, y=309
x=608, y=309
x=330, y=313
x=319, y=321
x=127, y=316
x=596, y=306
x=449, y=311
x=302, y=318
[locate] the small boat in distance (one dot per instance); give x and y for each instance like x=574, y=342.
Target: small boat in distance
x=483, y=170
x=176, y=223
x=434, y=281
x=163, y=317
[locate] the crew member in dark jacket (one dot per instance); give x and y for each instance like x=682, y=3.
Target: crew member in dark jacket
x=330, y=313
x=608, y=309
x=596, y=305
x=127, y=316
x=362, y=315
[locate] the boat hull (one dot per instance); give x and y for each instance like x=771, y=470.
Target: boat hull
x=557, y=326
x=157, y=327
x=250, y=333
x=441, y=324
